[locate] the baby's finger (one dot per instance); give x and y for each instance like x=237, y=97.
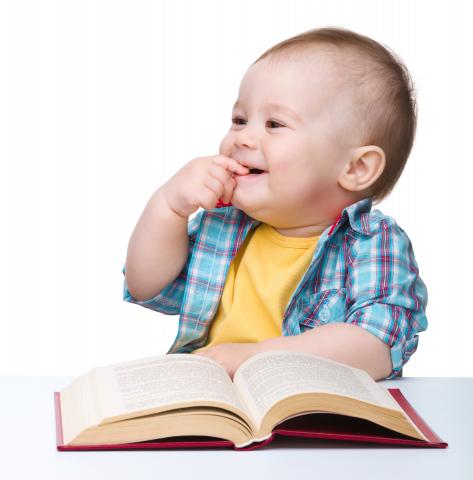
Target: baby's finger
x=216, y=171
x=214, y=184
x=228, y=191
x=231, y=165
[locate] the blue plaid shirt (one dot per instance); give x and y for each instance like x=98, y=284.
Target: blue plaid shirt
x=363, y=271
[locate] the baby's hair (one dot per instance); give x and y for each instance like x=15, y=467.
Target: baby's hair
x=384, y=92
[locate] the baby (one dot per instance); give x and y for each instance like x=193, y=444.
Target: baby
x=286, y=252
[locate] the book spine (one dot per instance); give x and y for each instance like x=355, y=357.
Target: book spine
x=254, y=440
x=253, y=445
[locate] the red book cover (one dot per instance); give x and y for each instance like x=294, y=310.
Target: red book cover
x=313, y=425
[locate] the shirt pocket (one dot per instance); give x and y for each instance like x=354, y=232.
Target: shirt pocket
x=326, y=306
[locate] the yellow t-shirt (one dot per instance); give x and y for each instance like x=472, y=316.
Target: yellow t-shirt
x=261, y=279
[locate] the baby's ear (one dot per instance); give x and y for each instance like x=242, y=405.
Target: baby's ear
x=363, y=169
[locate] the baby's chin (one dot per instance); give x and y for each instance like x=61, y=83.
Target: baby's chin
x=245, y=203
x=237, y=202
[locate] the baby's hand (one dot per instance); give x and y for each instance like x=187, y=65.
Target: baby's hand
x=201, y=183
x=230, y=355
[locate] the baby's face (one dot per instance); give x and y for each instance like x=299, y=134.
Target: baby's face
x=291, y=119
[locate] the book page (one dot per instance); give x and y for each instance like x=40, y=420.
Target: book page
x=77, y=408
x=268, y=377
x=161, y=381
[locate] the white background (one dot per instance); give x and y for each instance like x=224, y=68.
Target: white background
x=102, y=102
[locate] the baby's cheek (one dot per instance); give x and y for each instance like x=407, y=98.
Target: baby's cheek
x=299, y=189
x=225, y=147
x=282, y=183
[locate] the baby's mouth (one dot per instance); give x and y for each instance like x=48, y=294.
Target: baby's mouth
x=253, y=175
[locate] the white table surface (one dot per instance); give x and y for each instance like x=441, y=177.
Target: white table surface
x=28, y=444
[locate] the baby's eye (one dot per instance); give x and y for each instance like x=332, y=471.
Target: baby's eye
x=236, y=120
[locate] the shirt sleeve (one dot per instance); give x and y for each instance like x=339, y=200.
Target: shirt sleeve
x=386, y=294
x=169, y=300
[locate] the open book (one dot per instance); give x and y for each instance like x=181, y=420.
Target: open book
x=190, y=400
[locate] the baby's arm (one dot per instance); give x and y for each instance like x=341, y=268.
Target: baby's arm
x=342, y=342
x=158, y=247
x=157, y=250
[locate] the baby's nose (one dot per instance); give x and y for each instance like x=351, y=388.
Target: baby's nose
x=245, y=139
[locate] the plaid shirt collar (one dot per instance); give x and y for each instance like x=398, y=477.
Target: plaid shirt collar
x=357, y=215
